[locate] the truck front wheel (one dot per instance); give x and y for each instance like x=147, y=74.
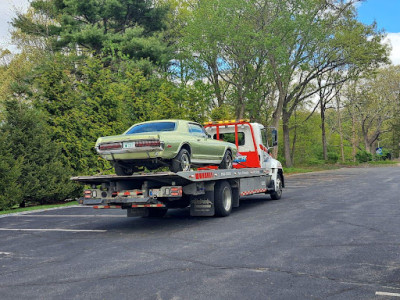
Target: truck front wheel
x=222, y=199
x=277, y=194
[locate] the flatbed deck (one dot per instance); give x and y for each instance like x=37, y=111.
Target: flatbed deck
x=194, y=176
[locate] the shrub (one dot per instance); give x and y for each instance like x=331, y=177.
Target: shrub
x=315, y=162
x=333, y=157
x=363, y=156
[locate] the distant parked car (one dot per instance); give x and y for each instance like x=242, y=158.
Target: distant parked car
x=178, y=144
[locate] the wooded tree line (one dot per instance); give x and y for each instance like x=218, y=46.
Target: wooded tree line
x=92, y=68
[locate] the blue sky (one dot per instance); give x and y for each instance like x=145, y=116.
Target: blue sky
x=384, y=12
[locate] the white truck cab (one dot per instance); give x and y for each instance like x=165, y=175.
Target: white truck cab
x=254, y=142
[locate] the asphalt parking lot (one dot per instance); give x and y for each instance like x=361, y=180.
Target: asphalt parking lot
x=333, y=235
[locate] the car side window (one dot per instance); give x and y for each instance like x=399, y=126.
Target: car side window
x=196, y=129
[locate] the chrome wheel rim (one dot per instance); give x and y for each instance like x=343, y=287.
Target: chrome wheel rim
x=228, y=162
x=185, y=162
x=227, y=199
x=278, y=181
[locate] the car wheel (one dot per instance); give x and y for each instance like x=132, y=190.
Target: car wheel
x=227, y=161
x=122, y=170
x=222, y=199
x=276, y=195
x=181, y=162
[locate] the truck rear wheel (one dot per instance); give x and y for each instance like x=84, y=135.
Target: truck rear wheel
x=277, y=194
x=222, y=199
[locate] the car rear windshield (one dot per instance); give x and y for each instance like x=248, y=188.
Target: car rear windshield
x=152, y=127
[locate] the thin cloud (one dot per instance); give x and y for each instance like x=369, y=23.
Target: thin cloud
x=393, y=38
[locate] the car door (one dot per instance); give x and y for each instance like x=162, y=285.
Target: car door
x=202, y=150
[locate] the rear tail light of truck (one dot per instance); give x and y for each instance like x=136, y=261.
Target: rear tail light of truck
x=87, y=194
x=148, y=143
x=110, y=146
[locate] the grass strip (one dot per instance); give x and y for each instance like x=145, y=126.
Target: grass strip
x=29, y=208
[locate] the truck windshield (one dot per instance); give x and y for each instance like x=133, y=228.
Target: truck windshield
x=152, y=127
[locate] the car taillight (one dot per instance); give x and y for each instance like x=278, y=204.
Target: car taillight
x=110, y=146
x=148, y=143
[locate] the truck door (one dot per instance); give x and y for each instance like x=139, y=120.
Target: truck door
x=265, y=158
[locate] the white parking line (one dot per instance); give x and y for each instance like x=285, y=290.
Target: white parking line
x=72, y=216
x=295, y=186
x=387, y=294
x=52, y=229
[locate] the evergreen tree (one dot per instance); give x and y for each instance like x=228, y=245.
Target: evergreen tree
x=131, y=28
x=45, y=175
x=10, y=171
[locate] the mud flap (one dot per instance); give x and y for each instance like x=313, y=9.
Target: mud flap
x=202, y=205
x=137, y=212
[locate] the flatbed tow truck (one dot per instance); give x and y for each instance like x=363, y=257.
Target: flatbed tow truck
x=207, y=191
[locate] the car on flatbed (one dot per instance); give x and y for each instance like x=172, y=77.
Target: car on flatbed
x=208, y=191
x=178, y=144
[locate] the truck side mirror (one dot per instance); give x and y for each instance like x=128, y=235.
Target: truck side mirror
x=274, y=133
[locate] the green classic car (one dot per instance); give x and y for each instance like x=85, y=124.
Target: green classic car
x=178, y=144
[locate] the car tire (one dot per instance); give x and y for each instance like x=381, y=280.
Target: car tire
x=122, y=171
x=181, y=162
x=276, y=195
x=223, y=199
x=227, y=161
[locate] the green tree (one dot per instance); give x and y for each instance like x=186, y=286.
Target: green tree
x=105, y=27
x=45, y=175
x=224, y=41
x=309, y=38
x=374, y=104
x=10, y=171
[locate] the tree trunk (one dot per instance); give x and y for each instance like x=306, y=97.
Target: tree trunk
x=286, y=139
x=215, y=83
x=367, y=144
x=294, y=138
x=353, y=138
x=276, y=117
x=241, y=104
x=324, y=147
x=340, y=127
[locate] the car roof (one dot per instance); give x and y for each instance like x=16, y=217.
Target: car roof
x=167, y=120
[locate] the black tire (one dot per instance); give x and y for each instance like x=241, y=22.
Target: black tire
x=156, y=212
x=276, y=195
x=122, y=171
x=181, y=162
x=227, y=161
x=223, y=199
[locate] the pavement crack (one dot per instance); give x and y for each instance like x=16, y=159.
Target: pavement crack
x=361, y=226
